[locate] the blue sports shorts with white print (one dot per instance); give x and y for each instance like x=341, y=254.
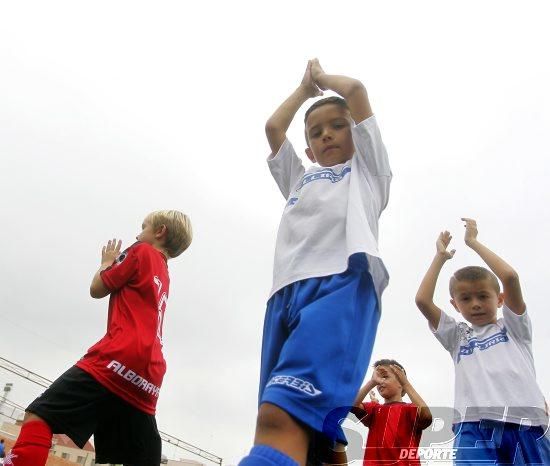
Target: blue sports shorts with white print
x=317, y=343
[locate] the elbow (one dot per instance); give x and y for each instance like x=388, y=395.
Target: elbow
x=510, y=277
x=426, y=418
x=98, y=290
x=272, y=129
x=271, y=126
x=421, y=302
x=355, y=86
x=94, y=293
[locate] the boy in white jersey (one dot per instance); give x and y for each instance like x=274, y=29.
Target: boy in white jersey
x=323, y=310
x=501, y=409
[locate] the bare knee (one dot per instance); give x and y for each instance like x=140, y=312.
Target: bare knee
x=278, y=429
x=29, y=417
x=272, y=418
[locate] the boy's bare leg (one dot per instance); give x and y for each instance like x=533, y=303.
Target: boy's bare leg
x=277, y=429
x=31, y=417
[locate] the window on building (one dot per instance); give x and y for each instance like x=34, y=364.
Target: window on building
x=80, y=459
x=65, y=456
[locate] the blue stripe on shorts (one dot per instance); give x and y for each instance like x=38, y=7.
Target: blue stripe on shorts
x=317, y=343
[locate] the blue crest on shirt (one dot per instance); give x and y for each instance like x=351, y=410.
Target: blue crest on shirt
x=325, y=174
x=473, y=343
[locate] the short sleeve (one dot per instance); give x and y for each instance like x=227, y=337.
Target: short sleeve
x=518, y=325
x=123, y=270
x=368, y=412
x=286, y=167
x=370, y=148
x=371, y=158
x=446, y=332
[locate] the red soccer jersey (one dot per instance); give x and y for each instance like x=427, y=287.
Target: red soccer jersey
x=128, y=360
x=393, y=434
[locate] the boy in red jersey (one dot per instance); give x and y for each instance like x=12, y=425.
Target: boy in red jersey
x=112, y=391
x=394, y=426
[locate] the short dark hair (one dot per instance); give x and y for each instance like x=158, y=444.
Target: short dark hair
x=388, y=362
x=473, y=273
x=334, y=100
x=326, y=101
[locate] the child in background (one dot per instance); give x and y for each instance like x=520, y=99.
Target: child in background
x=394, y=426
x=502, y=409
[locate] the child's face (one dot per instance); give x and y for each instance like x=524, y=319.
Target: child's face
x=477, y=301
x=147, y=234
x=328, y=130
x=390, y=386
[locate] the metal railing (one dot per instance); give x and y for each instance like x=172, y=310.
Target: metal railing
x=44, y=382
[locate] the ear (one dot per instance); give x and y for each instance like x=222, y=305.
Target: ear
x=310, y=155
x=500, y=300
x=161, y=232
x=453, y=302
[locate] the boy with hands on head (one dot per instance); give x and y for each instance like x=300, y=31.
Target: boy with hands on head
x=394, y=425
x=112, y=391
x=323, y=309
x=496, y=392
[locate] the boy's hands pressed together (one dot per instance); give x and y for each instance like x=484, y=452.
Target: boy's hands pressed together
x=278, y=123
x=442, y=243
x=110, y=252
x=308, y=84
x=317, y=72
x=350, y=89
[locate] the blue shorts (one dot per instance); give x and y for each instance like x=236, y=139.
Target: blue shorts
x=317, y=343
x=489, y=442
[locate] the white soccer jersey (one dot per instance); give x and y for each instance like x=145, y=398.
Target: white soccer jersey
x=494, y=369
x=331, y=212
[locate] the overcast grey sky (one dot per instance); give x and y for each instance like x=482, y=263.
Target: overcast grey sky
x=109, y=110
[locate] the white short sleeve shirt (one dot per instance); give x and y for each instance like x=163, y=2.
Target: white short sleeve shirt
x=331, y=212
x=494, y=369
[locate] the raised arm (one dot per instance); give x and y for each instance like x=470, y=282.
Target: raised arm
x=513, y=298
x=424, y=413
x=352, y=90
x=109, y=253
x=277, y=125
x=366, y=389
x=425, y=293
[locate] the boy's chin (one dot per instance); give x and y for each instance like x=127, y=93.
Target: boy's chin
x=332, y=163
x=486, y=320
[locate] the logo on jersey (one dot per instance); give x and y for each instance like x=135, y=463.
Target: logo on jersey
x=482, y=345
x=295, y=383
x=161, y=307
x=325, y=174
x=132, y=377
x=121, y=257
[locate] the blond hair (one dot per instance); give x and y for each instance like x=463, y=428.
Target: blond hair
x=179, y=232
